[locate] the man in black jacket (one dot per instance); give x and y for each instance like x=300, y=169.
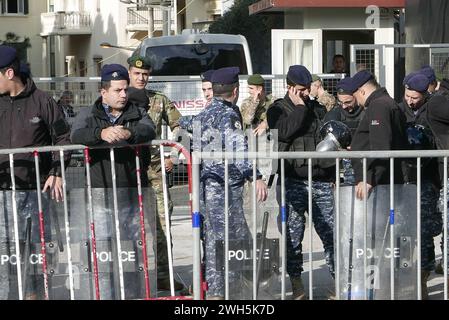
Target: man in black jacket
x=382, y=128
x=297, y=123
x=113, y=121
x=28, y=117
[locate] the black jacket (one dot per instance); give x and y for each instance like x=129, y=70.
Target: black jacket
x=30, y=119
x=352, y=120
x=382, y=128
x=87, y=130
x=298, y=130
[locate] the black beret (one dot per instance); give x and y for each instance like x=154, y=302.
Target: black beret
x=416, y=81
x=429, y=73
x=358, y=80
x=256, y=80
x=228, y=75
x=114, y=72
x=299, y=75
x=207, y=75
x=344, y=86
x=7, y=55
x=139, y=62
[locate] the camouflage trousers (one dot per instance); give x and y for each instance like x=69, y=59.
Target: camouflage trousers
x=296, y=198
x=441, y=208
x=431, y=223
x=155, y=179
x=348, y=172
x=214, y=229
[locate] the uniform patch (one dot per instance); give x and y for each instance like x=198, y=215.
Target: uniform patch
x=35, y=120
x=375, y=122
x=237, y=125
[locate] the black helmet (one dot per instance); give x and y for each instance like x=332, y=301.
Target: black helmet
x=336, y=136
x=420, y=137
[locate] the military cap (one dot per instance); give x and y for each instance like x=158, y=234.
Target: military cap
x=344, y=87
x=256, y=80
x=299, y=75
x=228, y=75
x=139, y=62
x=315, y=77
x=114, y=72
x=429, y=73
x=358, y=80
x=207, y=75
x=416, y=81
x=7, y=55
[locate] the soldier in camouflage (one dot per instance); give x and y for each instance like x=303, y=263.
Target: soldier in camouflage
x=222, y=120
x=160, y=109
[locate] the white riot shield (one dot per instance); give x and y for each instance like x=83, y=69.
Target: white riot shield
x=70, y=270
x=373, y=280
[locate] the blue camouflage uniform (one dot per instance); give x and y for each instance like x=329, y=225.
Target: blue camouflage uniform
x=220, y=128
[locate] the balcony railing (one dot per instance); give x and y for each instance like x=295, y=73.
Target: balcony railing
x=138, y=18
x=66, y=23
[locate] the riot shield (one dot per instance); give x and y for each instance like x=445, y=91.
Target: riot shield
x=72, y=270
x=257, y=273
x=373, y=280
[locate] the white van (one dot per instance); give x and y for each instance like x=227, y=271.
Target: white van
x=178, y=61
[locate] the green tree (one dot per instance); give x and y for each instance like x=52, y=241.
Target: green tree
x=13, y=40
x=256, y=29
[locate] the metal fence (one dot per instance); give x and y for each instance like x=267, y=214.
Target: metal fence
x=377, y=240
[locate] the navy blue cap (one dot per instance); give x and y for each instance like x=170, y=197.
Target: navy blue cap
x=114, y=72
x=344, y=86
x=416, y=81
x=429, y=73
x=7, y=55
x=358, y=80
x=299, y=75
x=228, y=75
x=207, y=75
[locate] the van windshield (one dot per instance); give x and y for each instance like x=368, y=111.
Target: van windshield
x=194, y=59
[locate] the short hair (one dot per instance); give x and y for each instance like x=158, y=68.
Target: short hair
x=14, y=65
x=105, y=84
x=224, y=90
x=338, y=56
x=290, y=83
x=373, y=82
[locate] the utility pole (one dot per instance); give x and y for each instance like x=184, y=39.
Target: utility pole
x=150, y=22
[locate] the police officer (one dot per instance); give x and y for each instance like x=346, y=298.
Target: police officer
x=254, y=108
x=206, y=86
x=222, y=120
x=160, y=109
x=297, y=124
x=350, y=113
x=414, y=106
x=430, y=74
x=382, y=128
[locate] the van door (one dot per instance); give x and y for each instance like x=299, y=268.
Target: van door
x=289, y=47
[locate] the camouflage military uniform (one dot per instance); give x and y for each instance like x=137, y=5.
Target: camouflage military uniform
x=160, y=108
x=254, y=112
x=223, y=120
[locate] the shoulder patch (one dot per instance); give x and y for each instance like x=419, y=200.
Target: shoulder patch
x=238, y=125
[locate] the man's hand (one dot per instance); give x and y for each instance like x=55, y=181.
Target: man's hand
x=261, y=190
x=360, y=190
x=55, y=185
x=168, y=165
x=115, y=134
x=295, y=96
x=261, y=128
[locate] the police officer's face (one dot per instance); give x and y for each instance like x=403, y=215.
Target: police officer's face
x=5, y=78
x=206, y=86
x=347, y=102
x=138, y=77
x=117, y=94
x=303, y=91
x=414, y=99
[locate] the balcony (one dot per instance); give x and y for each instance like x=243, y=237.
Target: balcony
x=66, y=23
x=138, y=19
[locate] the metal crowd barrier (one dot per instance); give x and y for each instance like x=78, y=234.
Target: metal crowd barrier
x=389, y=221
x=104, y=249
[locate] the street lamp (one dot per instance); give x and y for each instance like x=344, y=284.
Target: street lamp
x=107, y=45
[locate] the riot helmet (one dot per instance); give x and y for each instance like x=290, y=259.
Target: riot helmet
x=419, y=137
x=335, y=136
